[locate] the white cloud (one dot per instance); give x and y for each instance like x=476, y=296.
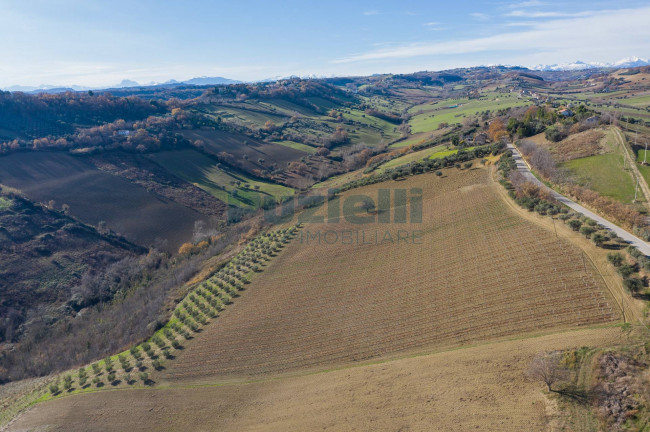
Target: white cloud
x=371, y=12
x=538, y=14
x=520, y=24
x=526, y=4
x=480, y=16
x=602, y=35
x=434, y=26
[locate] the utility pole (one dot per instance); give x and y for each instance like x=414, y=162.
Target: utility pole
x=646, y=152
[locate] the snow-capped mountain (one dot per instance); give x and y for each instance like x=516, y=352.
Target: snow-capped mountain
x=580, y=65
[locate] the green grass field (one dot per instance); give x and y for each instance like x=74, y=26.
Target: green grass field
x=297, y=146
x=637, y=101
x=645, y=172
x=604, y=174
x=412, y=157
x=641, y=154
x=203, y=172
x=456, y=110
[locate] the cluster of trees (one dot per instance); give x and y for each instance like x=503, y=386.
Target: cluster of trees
x=52, y=117
x=339, y=137
x=455, y=160
x=534, y=121
x=384, y=115
x=628, y=267
x=76, y=107
x=142, y=132
x=138, y=308
x=295, y=90
x=540, y=159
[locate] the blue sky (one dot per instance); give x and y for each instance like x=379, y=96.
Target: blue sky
x=93, y=43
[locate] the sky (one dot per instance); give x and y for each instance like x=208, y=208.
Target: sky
x=101, y=43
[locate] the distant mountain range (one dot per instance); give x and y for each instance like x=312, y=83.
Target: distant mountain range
x=204, y=80
x=579, y=65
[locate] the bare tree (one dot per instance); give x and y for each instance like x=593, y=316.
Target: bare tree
x=546, y=367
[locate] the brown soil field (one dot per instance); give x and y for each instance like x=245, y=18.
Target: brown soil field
x=482, y=272
x=93, y=195
x=475, y=388
x=219, y=141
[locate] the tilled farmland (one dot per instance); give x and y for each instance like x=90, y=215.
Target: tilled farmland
x=478, y=272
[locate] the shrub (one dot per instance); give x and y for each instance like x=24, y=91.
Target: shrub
x=96, y=369
x=615, y=258
x=587, y=230
x=575, y=224
x=111, y=377
x=633, y=284
x=144, y=377
x=158, y=341
x=598, y=239
x=626, y=270
x=54, y=388
x=67, y=382
x=128, y=379
x=634, y=251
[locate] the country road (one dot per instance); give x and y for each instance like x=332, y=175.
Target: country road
x=632, y=163
x=523, y=167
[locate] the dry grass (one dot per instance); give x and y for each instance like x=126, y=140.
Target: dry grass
x=575, y=146
x=478, y=388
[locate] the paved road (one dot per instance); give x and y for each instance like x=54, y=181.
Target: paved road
x=523, y=167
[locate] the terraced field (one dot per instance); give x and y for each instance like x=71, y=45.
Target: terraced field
x=480, y=273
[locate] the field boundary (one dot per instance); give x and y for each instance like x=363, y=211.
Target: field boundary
x=633, y=309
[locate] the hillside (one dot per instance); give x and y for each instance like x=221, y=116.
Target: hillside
x=464, y=283
x=43, y=257
x=144, y=213
x=474, y=279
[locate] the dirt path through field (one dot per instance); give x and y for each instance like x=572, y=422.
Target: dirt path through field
x=631, y=161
